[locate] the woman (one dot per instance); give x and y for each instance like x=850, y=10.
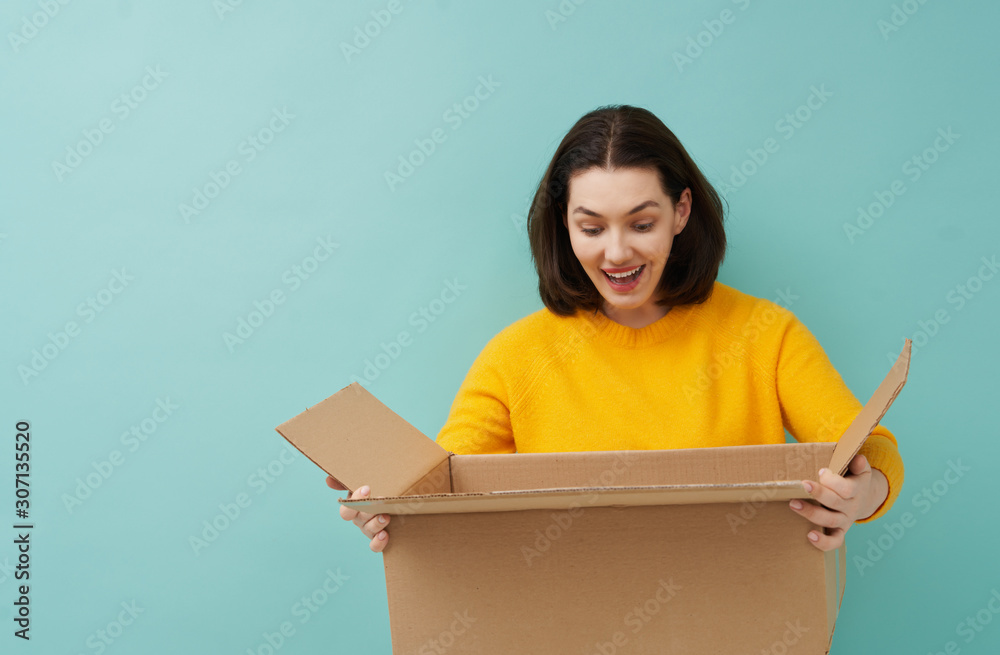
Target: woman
x=639, y=347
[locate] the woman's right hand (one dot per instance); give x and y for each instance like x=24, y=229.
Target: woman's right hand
x=373, y=525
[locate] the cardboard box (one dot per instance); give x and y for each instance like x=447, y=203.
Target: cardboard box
x=653, y=551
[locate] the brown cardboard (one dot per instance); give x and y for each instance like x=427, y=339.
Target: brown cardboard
x=660, y=551
x=854, y=437
x=351, y=430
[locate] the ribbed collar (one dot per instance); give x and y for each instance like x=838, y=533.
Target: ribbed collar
x=628, y=337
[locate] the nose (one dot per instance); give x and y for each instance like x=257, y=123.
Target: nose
x=618, y=250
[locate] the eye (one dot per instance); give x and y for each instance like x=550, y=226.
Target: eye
x=593, y=231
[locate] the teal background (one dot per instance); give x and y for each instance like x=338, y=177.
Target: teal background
x=459, y=216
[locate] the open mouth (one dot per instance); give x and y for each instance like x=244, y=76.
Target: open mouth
x=624, y=280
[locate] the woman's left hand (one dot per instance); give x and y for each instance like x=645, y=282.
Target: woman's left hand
x=841, y=500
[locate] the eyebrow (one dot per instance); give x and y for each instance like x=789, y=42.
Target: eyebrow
x=638, y=208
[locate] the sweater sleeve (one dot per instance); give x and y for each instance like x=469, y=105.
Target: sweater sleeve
x=817, y=405
x=479, y=420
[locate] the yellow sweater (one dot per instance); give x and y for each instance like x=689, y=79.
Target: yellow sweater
x=733, y=370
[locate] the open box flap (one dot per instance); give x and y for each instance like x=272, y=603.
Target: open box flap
x=358, y=440
x=567, y=498
x=854, y=437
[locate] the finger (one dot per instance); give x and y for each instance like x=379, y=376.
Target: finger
x=818, y=515
x=846, y=488
x=825, y=542
x=334, y=484
x=351, y=514
x=375, y=525
x=825, y=496
x=378, y=544
x=859, y=465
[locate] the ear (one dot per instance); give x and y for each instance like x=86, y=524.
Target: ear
x=682, y=210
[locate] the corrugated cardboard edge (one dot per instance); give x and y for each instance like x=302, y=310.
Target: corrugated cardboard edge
x=854, y=436
x=437, y=481
x=569, y=497
x=835, y=562
x=358, y=440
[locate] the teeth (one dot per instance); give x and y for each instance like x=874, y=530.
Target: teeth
x=621, y=275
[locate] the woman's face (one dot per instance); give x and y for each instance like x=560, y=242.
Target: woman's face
x=620, y=222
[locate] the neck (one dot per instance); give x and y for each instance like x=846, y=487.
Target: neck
x=635, y=318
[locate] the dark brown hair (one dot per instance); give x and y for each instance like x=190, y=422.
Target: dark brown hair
x=623, y=136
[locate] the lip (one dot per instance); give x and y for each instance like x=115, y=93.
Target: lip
x=624, y=289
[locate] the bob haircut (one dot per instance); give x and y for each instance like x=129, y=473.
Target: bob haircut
x=613, y=137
